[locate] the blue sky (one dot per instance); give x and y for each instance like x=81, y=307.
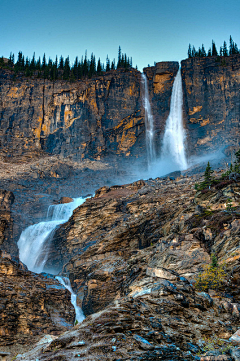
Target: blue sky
x=149, y=31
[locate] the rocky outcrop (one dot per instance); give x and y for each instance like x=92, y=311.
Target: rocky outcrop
x=31, y=305
x=211, y=102
x=6, y=222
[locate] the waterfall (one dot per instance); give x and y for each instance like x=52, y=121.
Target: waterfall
x=173, y=149
x=34, y=241
x=149, y=124
x=78, y=311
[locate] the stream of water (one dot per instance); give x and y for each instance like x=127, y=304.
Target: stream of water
x=149, y=124
x=79, y=316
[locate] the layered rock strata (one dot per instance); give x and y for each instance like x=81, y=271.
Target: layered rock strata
x=85, y=119
x=211, y=102
x=101, y=117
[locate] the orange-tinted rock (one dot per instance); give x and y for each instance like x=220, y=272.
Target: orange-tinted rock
x=211, y=102
x=66, y=200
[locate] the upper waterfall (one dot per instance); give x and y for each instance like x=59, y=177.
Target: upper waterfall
x=173, y=147
x=149, y=124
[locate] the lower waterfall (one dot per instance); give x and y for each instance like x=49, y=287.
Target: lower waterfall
x=34, y=241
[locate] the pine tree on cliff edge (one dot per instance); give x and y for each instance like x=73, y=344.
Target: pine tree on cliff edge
x=208, y=175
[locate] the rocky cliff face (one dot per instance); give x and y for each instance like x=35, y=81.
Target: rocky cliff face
x=104, y=116
x=211, y=102
x=6, y=222
x=85, y=119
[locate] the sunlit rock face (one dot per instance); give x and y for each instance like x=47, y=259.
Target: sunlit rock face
x=94, y=118
x=211, y=102
x=85, y=119
x=104, y=116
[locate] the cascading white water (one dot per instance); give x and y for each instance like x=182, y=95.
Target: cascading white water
x=149, y=124
x=173, y=148
x=33, y=242
x=78, y=311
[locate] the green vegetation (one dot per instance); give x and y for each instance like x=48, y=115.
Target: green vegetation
x=214, y=343
x=224, y=50
x=208, y=179
x=212, y=277
x=62, y=69
x=229, y=206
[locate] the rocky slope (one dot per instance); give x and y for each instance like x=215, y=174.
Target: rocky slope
x=139, y=249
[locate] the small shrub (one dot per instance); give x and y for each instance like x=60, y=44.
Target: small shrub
x=229, y=206
x=76, y=322
x=213, y=343
x=212, y=277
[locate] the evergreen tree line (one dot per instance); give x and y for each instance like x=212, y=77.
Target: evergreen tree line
x=61, y=68
x=212, y=51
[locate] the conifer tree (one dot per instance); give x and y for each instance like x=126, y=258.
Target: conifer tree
x=208, y=175
x=66, y=69
x=193, y=51
x=113, y=64
x=92, y=67
x=225, y=50
x=107, y=64
x=203, y=51
x=214, y=49
x=44, y=62
x=189, y=51
x=230, y=46
x=38, y=64
x=99, y=66
x=119, y=57
x=61, y=62
x=33, y=62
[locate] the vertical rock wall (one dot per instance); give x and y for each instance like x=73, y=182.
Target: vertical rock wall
x=211, y=88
